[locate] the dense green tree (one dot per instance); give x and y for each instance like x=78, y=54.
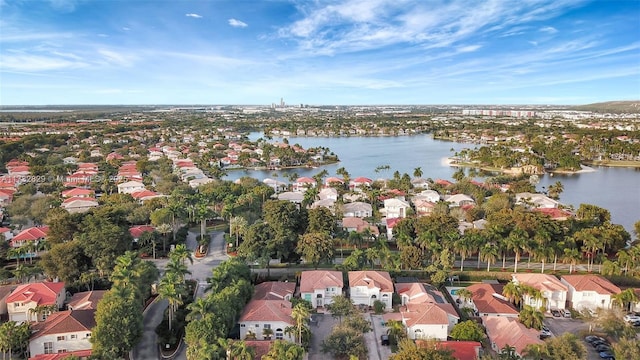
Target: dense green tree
x=315, y=247
x=429, y=350
x=14, y=338
x=468, y=330
x=627, y=349
x=343, y=342
x=118, y=326
x=103, y=241
x=531, y=317
x=321, y=220
x=66, y=261
x=564, y=347
x=284, y=350
x=341, y=307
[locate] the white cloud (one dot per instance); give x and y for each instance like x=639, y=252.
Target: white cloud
x=468, y=48
x=35, y=63
x=116, y=58
x=196, y=16
x=237, y=23
x=549, y=29
x=126, y=29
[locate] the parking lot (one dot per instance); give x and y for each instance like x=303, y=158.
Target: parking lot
x=559, y=326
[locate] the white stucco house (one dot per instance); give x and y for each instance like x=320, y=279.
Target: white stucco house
x=62, y=332
x=23, y=301
x=357, y=209
x=395, y=208
x=368, y=286
x=259, y=315
x=425, y=320
x=589, y=291
x=130, y=187
x=553, y=291
x=320, y=286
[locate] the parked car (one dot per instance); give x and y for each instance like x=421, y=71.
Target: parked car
x=597, y=343
x=556, y=313
x=607, y=355
x=592, y=338
x=384, y=340
x=603, y=347
x=631, y=318
x=566, y=313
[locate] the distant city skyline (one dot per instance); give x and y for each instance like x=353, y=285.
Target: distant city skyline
x=364, y=52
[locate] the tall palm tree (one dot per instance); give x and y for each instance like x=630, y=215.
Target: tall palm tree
x=464, y=246
x=571, y=256
x=417, y=172
x=180, y=270
x=198, y=309
x=181, y=254
x=170, y=291
x=516, y=242
x=625, y=298
x=513, y=292
x=164, y=229
x=300, y=315
x=238, y=226
x=203, y=213
x=489, y=253
x=239, y=350
x=531, y=317
x=396, y=330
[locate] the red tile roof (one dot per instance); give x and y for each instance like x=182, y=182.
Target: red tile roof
x=63, y=322
x=261, y=347
x=32, y=234
x=320, y=279
x=267, y=310
x=76, y=192
x=509, y=331
x=462, y=350
x=43, y=293
x=542, y=282
x=138, y=230
x=143, y=194
x=415, y=291
x=61, y=356
x=424, y=314
x=592, y=283
x=86, y=300
x=485, y=301
x=362, y=180
x=305, y=180
x=78, y=198
x=371, y=279
x=274, y=290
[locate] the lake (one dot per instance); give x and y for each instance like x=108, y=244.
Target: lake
x=615, y=189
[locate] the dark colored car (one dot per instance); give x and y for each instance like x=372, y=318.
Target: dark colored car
x=384, y=340
x=607, y=355
x=601, y=348
x=597, y=343
x=592, y=338
x=556, y=313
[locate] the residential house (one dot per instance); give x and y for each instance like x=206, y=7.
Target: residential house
x=79, y=204
x=6, y=233
x=77, y=193
x=555, y=213
x=6, y=196
x=137, y=231
x=487, y=300
x=368, y=286
x=554, y=292
x=325, y=203
x=144, y=195
x=423, y=207
x=320, y=286
x=23, y=303
x=130, y=187
x=357, y=209
x=459, y=200
x=462, y=350
x=414, y=293
x=328, y=193
x=259, y=315
x=589, y=291
x=86, y=300
x=534, y=200
x=359, y=225
x=333, y=181
x=422, y=321
x=303, y=183
x=70, y=160
x=34, y=234
x=195, y=183
x=429, y=195
x=80, y=354
x=292, y=196
x=391, y=223
x=276, y=185
x=63, y=332
x=274, y=290
x=419, y=183
x=395, y=208
x=503, y=331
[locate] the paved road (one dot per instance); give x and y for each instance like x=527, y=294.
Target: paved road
x=147, y=349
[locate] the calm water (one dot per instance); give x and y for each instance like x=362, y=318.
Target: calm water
x=615, y=189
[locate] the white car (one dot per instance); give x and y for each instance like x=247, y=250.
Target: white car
x=631, y=318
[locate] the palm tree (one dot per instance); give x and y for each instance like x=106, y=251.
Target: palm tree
x=571, y=256
x=516, y=241
x=175, y=267
x=239, y=350
x=625, y=298
x=489, y=253
x=513, y=292
x=203, y=213
x=464, y=246
x=180, y=253
x=164, y=229
x=238, y=226
x=531, y=318
x=267, y=333
x=417, y=172
x=396, y=331
x=170, y=291
x=198, y=309
x=464, y=295
x=300, y=314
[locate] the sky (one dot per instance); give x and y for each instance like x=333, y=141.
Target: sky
x=315, y=52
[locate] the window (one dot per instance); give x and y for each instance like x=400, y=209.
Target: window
x=62, y=351
x=61, y=338
x=73, y=336
x=267, y=326
x=48, y=347
x=279, y=334
x=242, y=325
x=88, y=335
x=257, y=325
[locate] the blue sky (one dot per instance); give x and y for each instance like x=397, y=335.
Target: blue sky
x=318, y=52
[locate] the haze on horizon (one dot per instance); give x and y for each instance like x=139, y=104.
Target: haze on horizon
x=318, y=52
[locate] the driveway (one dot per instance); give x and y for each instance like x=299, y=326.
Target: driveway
x=147, y=349
x=320, y=330
x=376, y=350
x=559, y=326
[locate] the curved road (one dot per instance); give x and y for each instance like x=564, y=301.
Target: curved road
x=147, y=349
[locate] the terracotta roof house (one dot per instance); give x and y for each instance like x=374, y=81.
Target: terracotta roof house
x=424, y=207
x=29, y=296
x=359, y=183
x=81, y=354
x=463, y=350
x=413, y=293
x=130, y=187
x=291, y=196
x=368, y=286
x=487, y=300
x=77, y=192
x=332, y=180
x=589, y=291
x=138, y=230
x=395, y=208
x=503, y=331
x=555, y=213
x=6, y=232
x=320, y=286
x=259, y=315
x=85, y=300
x=144, y=195
x=425, y=321
x=554, y=291
x=274, y=290
x=6, y=196
x=391, y=223
x=535, y=200
x=76, y=205
x=261, y=348
x=359, y=225
x=31, y=234
x=63, y=332
x=302, y=184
